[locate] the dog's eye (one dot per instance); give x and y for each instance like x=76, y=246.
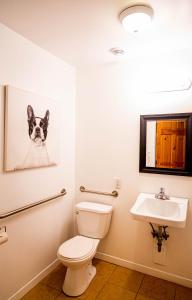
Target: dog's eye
x=41, y=124
x=34, y=123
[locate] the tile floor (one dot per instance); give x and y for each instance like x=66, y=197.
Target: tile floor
x=111, y=283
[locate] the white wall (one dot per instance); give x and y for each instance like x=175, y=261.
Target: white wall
x=35, y=235
x=110, y=100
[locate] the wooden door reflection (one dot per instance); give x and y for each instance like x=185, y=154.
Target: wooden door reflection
x=171, y=144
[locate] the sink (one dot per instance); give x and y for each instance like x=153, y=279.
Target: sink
x=172, y=212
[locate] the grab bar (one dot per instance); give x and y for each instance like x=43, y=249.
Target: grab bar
x=113, y=193
x=16, y=211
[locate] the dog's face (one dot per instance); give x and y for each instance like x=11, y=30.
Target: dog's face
x=37, y=126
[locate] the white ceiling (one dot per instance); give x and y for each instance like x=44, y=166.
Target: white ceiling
x=83, y=31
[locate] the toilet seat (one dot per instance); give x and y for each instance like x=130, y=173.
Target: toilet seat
x=77, y=248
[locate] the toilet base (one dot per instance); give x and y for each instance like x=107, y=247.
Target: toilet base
x=77, y=280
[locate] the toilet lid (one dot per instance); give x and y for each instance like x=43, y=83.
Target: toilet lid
x=77, y=247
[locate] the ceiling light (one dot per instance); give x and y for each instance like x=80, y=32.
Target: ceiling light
x=136, y=18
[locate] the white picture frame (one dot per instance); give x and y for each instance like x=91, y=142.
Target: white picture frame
x=31, y=138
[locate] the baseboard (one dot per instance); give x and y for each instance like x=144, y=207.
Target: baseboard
x=146, y=270
x=29, y=285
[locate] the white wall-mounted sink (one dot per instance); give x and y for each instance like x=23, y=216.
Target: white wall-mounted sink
x=172, y=212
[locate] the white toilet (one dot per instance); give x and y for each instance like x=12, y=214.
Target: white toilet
x=93, y=220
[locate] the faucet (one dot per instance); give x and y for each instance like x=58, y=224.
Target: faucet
x=161, y=195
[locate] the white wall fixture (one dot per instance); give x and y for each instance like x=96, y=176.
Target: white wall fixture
x=161, y=210
x=136, y=18
x=170, y=212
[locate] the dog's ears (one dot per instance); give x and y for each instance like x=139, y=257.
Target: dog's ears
x=46, y=117
x=30, y=113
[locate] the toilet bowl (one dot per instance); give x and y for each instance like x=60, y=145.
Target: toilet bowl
x=76, y=254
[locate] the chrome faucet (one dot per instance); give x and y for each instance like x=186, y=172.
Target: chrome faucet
x=161, y=195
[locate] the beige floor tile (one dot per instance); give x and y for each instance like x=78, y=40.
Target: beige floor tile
x=95, y=287
x=41, y=292
x=84, y=296
x=126, y=279
x=55, y=279
x=141, y=297
x=114, y=292
x=62, y=296
x=157, y=288
x=103, y=268
x=183, y=293
x=61, y=270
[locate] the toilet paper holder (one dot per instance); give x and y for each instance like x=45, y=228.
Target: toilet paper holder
x=4, y=228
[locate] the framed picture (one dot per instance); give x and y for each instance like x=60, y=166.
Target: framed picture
x=31, y=130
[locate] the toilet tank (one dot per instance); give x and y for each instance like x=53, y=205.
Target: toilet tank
x=93, y=219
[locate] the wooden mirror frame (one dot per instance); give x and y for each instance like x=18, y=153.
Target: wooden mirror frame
x=187, y=171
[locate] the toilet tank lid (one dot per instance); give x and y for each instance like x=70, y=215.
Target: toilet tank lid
x=94, y=207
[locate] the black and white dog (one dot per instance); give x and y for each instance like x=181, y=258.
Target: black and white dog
x=37, y=129
x=37, y=126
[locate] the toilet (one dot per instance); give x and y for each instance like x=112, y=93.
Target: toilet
x=93, y=221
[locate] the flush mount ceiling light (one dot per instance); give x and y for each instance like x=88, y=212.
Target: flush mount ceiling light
x=136, y=18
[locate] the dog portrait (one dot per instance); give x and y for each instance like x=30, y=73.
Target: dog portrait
x=31, y=131
x=37, y=129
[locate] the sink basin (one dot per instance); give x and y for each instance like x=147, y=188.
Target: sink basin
x=172, y=212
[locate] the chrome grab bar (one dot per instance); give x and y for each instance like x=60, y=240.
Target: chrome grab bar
x=113, y=193
x=16, y=211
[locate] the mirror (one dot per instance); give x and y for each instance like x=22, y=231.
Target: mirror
x=166, y=144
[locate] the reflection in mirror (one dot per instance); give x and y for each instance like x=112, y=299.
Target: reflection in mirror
x=166, y=143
